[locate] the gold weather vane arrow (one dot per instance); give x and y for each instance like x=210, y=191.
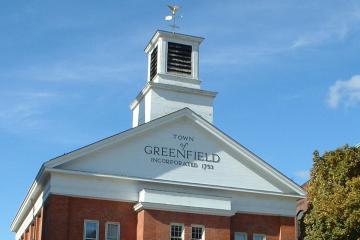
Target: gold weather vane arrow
x=173, y=9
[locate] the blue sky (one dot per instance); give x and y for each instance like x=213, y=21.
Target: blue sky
x=287, y=73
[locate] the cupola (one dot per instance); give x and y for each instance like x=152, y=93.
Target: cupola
x=172, y=80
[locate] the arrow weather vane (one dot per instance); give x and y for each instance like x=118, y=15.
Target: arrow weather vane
x=172, y=17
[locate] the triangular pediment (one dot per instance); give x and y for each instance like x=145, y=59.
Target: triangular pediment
x=180, y=147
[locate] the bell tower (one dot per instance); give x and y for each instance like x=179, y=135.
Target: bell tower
x=172, y=80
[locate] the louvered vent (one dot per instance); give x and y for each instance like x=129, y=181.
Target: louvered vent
x=179, y=58
x=153, y=64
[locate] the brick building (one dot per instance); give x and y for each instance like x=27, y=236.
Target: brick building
x=173, y=175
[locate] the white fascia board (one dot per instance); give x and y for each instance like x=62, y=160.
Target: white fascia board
x=32, y=194
x=137, y=179
x=25, y=203
x=170, y=87
x=170, y=35
x=184, y=209
x=126, y=189
x=175, y=77
x=140, y=96
x=37, y=205
x=176, y=88
x=179, y=199
x=184, y=202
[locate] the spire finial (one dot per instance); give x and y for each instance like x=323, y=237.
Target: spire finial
x=173, y=9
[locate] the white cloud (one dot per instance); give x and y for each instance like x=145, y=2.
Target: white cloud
x=332, y=27
x=336, y=32
x=301, y=42
x=303, y=174
x=20, y=111
x=66, y=71
x=346, y=92
x=337, y=28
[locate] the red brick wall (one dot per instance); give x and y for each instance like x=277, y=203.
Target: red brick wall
x=157, y=225
x=274, y=227
x=56, y=211
x=64, y=217
x=140, y=225
x=287, y=228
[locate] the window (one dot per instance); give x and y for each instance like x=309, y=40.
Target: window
x=91, y=230
x=240, y=236
x=112, y=231
x=179, y=58
x=176, y=231
x=153, y=63
x=259, y=237
x=197, y=232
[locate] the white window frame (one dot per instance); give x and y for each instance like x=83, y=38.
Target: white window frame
x=106, y=229
x=178, y=224
x=198, y=226
x=97, y=228
x=241, y=233
x=259, y=235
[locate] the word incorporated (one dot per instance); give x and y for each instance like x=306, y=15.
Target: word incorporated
x=181, y=163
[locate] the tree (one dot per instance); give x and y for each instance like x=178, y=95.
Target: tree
x=334, y=196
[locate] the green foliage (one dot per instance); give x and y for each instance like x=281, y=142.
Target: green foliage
x=334, y=196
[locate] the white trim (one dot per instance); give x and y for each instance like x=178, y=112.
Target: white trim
x=173, y=77
x=34, y=208
x=170, y=35
x=128, y=191
x=198, y=226
x=175, y=88
x=171, y=208
x=97, y=228
x=242, y=233
x=259, y=235
x=184, y=202
x=112, y=223
x=182, y=229
x=33, y=193
x=99, y=175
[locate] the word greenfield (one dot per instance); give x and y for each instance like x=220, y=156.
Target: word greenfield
x=182, y=154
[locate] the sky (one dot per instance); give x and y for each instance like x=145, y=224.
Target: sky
x=287, y=73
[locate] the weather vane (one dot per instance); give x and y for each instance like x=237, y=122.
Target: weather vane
x=173, y=9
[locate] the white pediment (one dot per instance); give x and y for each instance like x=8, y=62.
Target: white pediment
x=181, y=147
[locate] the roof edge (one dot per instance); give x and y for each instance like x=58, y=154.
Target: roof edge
x=216, y=187
x=175, y=88
x=162, y=33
